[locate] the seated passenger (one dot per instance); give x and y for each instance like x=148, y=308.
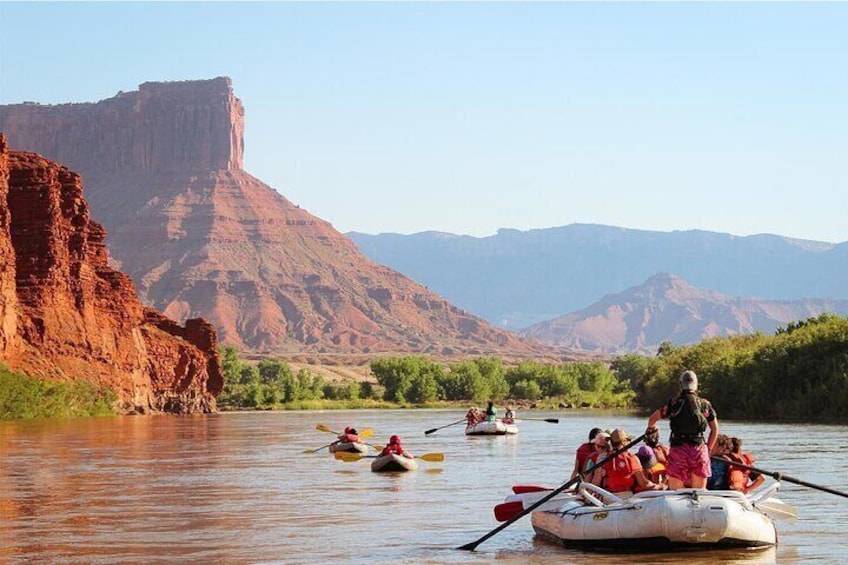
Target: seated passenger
x=509, y=415
x=623, y=474
x=394, y=446
x=740, y=479
x=719, y=479
x=654, y=470
x=350, y=435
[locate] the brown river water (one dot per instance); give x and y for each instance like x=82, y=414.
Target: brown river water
x=236, y=488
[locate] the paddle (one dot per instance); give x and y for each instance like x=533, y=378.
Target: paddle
x=348, y=457
x=473, y=545
x=317, y=450
x=431, y=430
x=549, y=420
x=781, y=477
x=368, y=432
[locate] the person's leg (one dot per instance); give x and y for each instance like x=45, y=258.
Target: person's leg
x=674, y=484
x=701, y=469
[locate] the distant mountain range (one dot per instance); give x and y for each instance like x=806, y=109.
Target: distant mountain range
x=667, y=308
x=516, y=279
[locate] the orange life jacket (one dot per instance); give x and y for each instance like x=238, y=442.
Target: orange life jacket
x=619, y=472
x=738, y=477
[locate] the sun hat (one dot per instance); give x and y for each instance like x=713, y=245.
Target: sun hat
x=619, y=436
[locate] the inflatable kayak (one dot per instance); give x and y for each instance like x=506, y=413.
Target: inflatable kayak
x=393, y=462
x=349, y=447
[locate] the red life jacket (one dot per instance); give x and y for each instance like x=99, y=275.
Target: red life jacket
x=620, y=472
x=392, y=448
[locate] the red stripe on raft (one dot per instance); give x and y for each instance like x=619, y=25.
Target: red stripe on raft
x=521, y=489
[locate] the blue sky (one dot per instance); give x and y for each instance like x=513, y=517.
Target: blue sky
x=468, y=117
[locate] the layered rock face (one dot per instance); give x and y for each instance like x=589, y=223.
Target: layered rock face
x=200, y=236
x=68, y=315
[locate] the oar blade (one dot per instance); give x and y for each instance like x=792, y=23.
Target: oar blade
x=368, y=432
x=433, y=457
x=323, y=428
x=430, y=431
x=507, y=510
x=777, y=508
x=552, y=420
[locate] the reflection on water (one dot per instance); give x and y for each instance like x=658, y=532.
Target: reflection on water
x=236, y=488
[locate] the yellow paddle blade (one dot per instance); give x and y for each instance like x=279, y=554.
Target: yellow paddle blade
x=364, y=433
x=347, y=457
x=434, y=457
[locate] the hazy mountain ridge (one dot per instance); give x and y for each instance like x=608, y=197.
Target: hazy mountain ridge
x=517, y=278
x=667, y=308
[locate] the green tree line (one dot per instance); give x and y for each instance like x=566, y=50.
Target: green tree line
x=421, y=381
x=798, y=374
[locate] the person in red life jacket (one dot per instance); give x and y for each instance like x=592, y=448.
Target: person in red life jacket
x=586, y=450
x=741, y=479
x=394, y=446
x=624, y=473
x=689, y=416
x=472, y=416
x=349, y=436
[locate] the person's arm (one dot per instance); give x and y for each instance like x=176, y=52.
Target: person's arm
x=654, y=418
x=711, y=441
x=759, y=480
x=643, y=482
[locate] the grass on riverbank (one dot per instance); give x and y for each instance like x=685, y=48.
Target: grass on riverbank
x=23, y=397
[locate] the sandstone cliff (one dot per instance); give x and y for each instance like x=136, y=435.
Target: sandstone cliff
x=200, y=236
x=67, y=315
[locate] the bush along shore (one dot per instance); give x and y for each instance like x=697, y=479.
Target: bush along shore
x=22, y=397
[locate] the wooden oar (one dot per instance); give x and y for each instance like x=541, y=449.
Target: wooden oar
x=368, y=432
x=781, y=477
x=348, y=457
x=473, y=545
x=431, y=430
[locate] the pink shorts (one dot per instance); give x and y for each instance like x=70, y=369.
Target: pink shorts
x=685, y=460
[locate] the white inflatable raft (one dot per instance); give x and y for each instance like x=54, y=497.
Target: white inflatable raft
x=349, y=447
x=496, y=428
x=393, y=462
x=657, y=520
